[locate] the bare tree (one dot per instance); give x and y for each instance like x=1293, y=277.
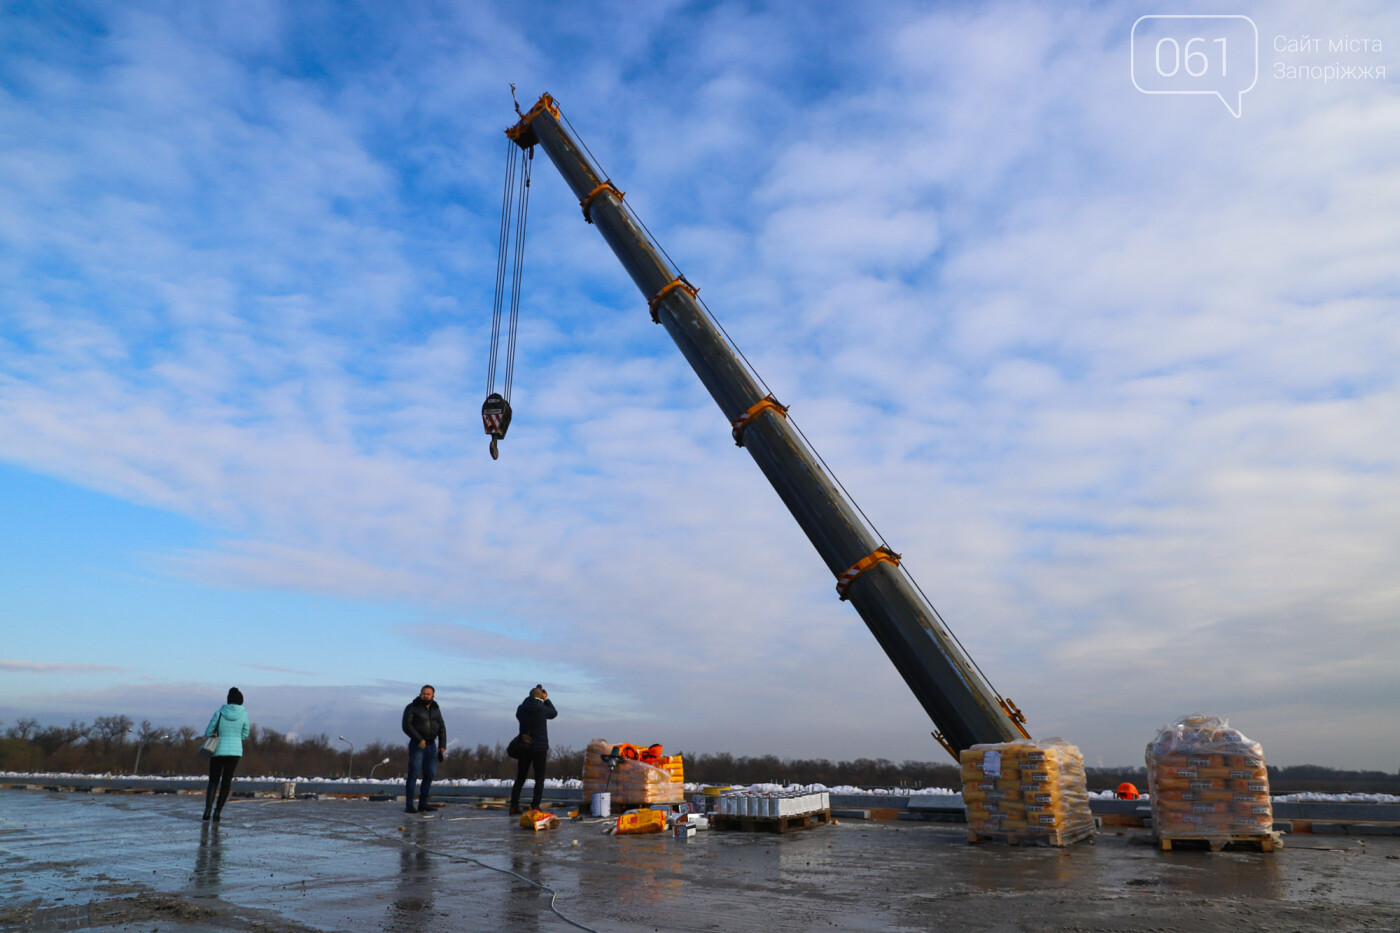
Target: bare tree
x=23, y=729
x=110, y=731
x=147, y=733
x=52, y=738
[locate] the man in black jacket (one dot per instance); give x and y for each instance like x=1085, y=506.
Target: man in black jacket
x=427, y=745
x=533, y=715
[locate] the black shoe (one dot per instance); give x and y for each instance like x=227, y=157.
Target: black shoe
x=206, y=816
x=216, y=816
x=515, y=810
x=410, y=809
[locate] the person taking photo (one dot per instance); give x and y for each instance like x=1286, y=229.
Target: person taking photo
x=533, y=714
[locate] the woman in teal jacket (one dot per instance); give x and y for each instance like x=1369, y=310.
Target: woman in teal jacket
x=230, y=724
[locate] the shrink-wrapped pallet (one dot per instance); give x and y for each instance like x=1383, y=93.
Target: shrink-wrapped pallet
x=1026, y=789
x=1207, y=781
x=632, y=782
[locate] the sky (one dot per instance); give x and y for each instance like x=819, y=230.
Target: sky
x=1115, y=372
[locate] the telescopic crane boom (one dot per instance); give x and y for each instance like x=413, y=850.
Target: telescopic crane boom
x=963, y=706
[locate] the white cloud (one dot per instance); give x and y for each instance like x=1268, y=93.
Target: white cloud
x=1114, y=372
x=54, y=667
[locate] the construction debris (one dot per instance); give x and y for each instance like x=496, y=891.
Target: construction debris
x=538, y=820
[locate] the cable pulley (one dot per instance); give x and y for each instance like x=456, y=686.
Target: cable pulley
x=510, y=250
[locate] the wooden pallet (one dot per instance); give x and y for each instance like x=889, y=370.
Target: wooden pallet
x=769, y=824
x=1263, y=843
x=1067, y=838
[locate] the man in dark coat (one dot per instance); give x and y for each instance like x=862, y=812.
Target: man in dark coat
x=427, y=745
x=533, y=715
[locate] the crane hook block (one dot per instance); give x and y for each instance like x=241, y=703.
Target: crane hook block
x=495, y=417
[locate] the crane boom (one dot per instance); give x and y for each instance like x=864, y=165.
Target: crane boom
x=962, y=705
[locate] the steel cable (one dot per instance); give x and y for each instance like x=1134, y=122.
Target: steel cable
x=507, y=198
x=519, y=268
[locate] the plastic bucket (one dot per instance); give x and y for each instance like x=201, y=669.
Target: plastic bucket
x=602, y=804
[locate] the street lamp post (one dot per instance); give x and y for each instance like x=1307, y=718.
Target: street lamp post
x=141, y=747
x=377, y=764
x=350, y=765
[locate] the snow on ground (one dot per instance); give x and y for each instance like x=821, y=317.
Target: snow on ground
x=575, y=784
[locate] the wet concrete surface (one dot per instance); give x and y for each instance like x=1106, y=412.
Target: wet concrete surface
x=83, y=862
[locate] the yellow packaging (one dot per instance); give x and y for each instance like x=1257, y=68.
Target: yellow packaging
x=642, y=821
x=538, y=820
x=1043, y=788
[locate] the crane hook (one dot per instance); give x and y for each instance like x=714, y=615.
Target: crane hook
x=495, y=418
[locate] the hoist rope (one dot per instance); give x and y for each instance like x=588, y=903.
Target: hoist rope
x=507, y=198
x=510, y=249
x=523, y=207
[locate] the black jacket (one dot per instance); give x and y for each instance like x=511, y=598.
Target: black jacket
x=422, y=721
x=533, y=716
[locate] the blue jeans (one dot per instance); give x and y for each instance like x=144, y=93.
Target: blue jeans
x=420, y=761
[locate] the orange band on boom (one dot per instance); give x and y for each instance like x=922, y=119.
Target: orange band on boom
x=587, y=202
x=880, y=555
x=765, y=404
x=654, y=304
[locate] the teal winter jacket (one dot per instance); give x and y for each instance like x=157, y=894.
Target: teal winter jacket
x=231, y=724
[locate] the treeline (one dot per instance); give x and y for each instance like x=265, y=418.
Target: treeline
x=114, y=744
x=1291, y=779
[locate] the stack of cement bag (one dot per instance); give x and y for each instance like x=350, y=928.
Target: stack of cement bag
x=631, y=782
x=1026, y=789
x=1207, y=781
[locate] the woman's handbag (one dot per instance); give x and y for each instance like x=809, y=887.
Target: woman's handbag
x=210, y=746
x=519, y=747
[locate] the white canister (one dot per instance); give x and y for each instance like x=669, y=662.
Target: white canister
x=602, y=804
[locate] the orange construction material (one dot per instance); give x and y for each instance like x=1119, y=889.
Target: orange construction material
x=1208, y=781
x=1128, y=791
x=631, y=782
x=673, y=766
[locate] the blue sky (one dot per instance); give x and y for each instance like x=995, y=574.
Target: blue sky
x=1116, y=373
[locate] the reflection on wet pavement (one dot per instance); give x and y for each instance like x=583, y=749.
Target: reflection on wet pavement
x=411, y=909
x=207, y=861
